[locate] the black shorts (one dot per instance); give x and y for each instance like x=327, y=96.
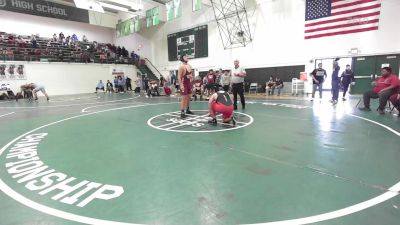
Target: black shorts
x=211, y=86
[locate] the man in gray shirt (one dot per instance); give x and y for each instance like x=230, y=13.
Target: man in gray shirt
x=237, y=80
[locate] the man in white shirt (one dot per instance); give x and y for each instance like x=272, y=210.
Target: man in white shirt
x=237, y=80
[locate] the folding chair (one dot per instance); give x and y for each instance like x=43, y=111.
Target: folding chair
x=389, y=107
x=253, y=87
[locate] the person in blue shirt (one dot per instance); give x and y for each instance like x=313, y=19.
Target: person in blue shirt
x=74, y=38
x=116, y=84
x=100, y=86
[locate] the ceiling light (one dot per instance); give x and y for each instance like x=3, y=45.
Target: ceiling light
x=114, y=7
x=89, y=5
x=123, y=2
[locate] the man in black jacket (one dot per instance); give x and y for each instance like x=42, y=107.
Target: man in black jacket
x=347, y=78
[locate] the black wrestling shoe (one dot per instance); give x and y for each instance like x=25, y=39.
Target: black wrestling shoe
x=189, y=112
x=365, y=109
x=183, y=115
x=213, y=122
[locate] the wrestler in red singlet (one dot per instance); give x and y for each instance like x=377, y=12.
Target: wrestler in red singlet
x=185, y=77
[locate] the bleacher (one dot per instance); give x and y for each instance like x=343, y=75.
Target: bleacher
x=14, y=47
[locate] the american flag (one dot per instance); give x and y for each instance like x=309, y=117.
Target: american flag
x=336, y=17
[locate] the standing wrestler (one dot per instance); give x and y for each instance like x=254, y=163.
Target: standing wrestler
x=185, y=78
x=37, y=87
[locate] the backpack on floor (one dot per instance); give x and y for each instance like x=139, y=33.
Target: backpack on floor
x=167, y=91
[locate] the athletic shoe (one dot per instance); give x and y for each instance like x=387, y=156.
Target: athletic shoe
x=48, y=99
x=213, y=122
x=334, y=102
x=312, y=99
x=367, y=109
x=183, y=116
x=36, y=99
x=234, y=107
x=380, y=111
x=243, y=107
x=343, y=99
x=189, y=112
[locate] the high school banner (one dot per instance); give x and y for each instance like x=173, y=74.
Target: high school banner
x=174, y=9
x=125, y=28
x=46, y=9
x=128, y=27
x=196, y=5
x=153, y=17
x=12, y=72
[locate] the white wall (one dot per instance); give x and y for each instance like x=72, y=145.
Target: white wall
x=28, y=24
x=143, y=38
x=278, y=28
x=65, y=79
x=133, y=41
x=102, y=19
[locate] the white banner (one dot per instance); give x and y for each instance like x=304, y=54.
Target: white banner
x=117, y=71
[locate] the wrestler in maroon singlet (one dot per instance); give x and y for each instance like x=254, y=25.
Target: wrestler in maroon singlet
x=185, y=78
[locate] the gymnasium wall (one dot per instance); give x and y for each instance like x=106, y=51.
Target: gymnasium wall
x=28, y=24
x=278, y=32
x=74, y=78
x=133, y=41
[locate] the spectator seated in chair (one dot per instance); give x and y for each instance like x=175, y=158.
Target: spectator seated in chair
x=278, y=85
x=10, y=93
x=395, y=99
x=100, y=86
x=198, y=88
x=109, y=87
x=384, y=87
x=153, y=89
x=270, y=86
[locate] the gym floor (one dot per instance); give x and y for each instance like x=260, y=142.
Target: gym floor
x=288, y=161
